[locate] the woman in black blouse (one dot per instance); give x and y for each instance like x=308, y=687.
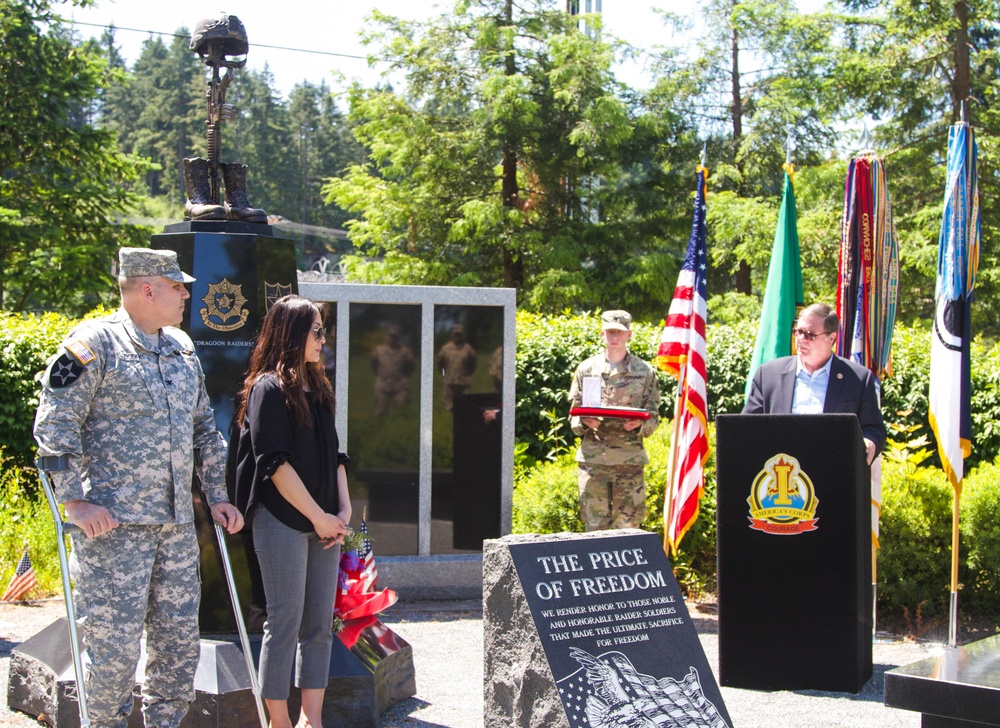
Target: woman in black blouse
x=291, y=485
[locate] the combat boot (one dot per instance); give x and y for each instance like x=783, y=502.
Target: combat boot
x=237, y=206
x=199, y=205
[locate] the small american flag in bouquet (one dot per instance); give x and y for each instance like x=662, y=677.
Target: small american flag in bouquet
x=358, y=601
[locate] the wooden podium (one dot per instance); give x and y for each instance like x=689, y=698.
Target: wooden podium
x=794, y=551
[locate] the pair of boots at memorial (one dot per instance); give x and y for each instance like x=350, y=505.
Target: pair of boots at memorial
x=200, y=205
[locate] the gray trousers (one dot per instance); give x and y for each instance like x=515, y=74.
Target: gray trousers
x=300, y=582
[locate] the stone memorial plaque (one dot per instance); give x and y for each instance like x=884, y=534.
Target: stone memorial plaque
x=615, y=632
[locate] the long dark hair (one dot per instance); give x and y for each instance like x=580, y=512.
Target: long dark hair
x=280, y=350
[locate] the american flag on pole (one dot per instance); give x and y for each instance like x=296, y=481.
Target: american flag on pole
x=23, y=580
x=356, y=595
x=369, y=573
x=682, y=354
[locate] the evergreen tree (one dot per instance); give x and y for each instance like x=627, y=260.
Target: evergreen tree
x=323, y=148
x=501, y=163
x=62, y=180
x=160, y=114
x=260, y=137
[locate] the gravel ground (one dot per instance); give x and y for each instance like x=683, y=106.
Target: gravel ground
x=447, y=640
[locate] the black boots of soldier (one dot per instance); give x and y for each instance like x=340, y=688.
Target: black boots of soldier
x=237, y=206
x=199, y=204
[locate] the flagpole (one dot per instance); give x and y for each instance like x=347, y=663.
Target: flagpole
x=671, y=495
x=682, y=354
x=953, y=607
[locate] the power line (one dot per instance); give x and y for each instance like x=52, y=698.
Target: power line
x=252, y=45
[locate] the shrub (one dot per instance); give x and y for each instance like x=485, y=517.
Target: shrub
x=25, y=521
x=730, y=349
x=905, y=391
x=980, y=532
x=546, y=500
x=915, y=538
x=26, y=344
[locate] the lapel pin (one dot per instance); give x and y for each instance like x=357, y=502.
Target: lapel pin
x=840, y=375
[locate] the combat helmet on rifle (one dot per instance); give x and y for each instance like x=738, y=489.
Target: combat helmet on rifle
x=220, y=43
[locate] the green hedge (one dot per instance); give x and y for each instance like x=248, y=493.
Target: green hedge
x=915, y=538
x=25, y=521
x=980, y=540
x=916, y=522
x=548, y=350
x=550, y=347
x=26, y=344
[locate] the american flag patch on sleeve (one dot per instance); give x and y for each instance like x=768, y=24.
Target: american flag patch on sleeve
x=81, y=352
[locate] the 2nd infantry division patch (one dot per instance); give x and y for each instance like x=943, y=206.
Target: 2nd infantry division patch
x=64, y=371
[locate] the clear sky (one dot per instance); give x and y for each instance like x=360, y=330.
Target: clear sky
x=331, y=26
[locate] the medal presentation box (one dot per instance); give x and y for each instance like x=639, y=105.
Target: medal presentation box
x=794, y=552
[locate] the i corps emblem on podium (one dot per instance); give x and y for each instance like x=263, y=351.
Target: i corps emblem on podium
x=782, y=499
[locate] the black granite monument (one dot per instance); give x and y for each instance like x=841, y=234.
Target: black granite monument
x=960, y=688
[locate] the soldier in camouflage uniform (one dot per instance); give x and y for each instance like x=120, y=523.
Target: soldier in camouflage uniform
x=125, y=399
x=456, y=361
x=611, y=456
x=392, y=362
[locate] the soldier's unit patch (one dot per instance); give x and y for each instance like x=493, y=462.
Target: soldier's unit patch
x=224, y=301
x=81, y=351
x=64, y=371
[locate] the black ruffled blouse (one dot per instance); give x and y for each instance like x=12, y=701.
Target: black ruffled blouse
x=270, y=435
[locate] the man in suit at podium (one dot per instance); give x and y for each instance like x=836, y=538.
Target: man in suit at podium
x=815, y=381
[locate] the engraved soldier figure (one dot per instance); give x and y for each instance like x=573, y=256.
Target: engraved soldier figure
x=125, y=399
x=456, y=361
x=393, y=363
x=611, y=456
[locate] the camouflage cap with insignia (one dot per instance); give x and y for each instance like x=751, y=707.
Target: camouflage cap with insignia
x=618, y=320
x=135, y=262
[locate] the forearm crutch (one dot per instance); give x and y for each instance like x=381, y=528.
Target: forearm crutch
x=241, y=627
x=45, y=465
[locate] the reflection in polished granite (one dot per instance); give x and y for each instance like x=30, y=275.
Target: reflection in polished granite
x=959, y=687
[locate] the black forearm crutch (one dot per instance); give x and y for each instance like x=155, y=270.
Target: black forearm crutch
x=227, y=567
x=45, y=465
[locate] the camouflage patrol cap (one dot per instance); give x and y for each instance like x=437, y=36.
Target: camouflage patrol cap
x=134, y=262
x=618, y=320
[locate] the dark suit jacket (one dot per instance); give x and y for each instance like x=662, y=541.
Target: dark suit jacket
x=851, y=390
